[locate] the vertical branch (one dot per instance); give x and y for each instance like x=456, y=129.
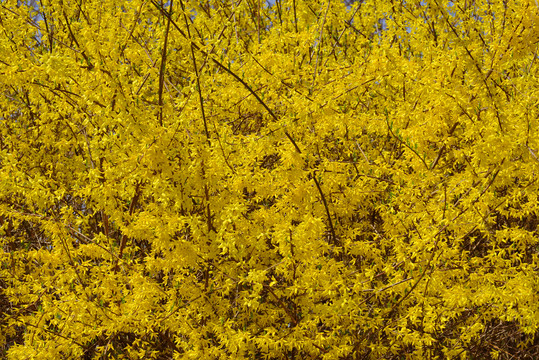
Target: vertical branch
x=104, y=216
x=50, y=35
x=105, y=220
x=163, y=64
x=295, y=16
x=319, y=45
x=208, y=210
x=235, y=22
x=258, y=19
x=279, y=11
x=196, y=74
x=123, y=242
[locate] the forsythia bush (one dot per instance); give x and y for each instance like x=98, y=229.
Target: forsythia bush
x=300, y=179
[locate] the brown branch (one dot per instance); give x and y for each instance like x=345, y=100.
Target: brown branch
x=123, y=242
x=83, y=53
x=162, y=67
x=201, y=100
x=331, y=229
x=293, y=317
x=440, y=152
x=295, y=16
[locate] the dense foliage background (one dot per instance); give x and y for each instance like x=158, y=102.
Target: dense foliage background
x=303, y=180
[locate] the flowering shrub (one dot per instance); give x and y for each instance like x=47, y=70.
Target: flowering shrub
x=297, y=180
